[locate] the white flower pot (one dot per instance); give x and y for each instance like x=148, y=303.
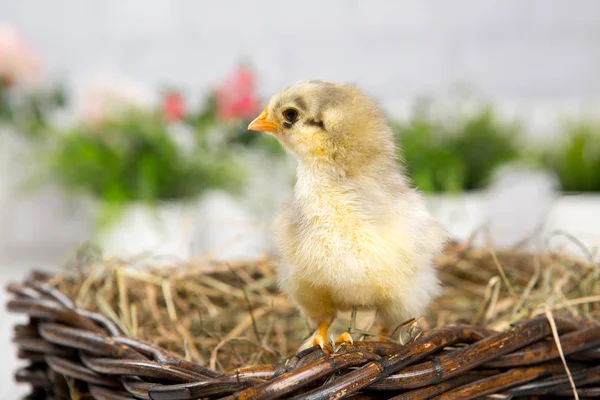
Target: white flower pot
x=508, y=212
x=577, y=216
x=462, y=214
x=167, y=231
x=228, y=230
x=516, y=205
x=44, y=223
x=235, y=228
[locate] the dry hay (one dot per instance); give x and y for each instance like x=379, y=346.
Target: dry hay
x=226, y=315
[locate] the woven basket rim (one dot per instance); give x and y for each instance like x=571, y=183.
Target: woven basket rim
x=64, y=342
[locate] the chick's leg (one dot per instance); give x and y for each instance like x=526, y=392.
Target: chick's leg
x=320, y=337
x=316, y=304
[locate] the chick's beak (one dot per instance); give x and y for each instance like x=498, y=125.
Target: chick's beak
x=262, y=123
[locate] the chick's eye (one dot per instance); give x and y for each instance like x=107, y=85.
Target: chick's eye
x=290, y=114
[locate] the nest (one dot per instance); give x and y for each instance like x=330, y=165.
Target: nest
x=510, y=324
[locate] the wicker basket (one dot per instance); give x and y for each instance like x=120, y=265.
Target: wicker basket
x=72, y=350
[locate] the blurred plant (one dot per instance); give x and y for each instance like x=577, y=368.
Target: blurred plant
x=455, y=153
x=26, y=108
x=575, y=160
x=432, y=166
x=235, y=104
x=485, y=143
x=133, y=158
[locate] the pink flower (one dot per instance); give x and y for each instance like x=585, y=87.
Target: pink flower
x=18, y=64
x=173, y=107
x=236, y=97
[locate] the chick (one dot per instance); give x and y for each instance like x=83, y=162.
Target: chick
x=355, y=233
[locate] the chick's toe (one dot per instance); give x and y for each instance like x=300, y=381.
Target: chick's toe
x=320, y=337
x=344, y=338
x=319, y=340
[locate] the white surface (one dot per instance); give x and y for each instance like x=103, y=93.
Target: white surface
x=461, y=214
x=517, y=204
x=165, y=231
x=579, y=217
x=238, y=228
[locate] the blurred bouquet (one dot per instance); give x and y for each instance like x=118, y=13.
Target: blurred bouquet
x=124, y=152
x=145, y=159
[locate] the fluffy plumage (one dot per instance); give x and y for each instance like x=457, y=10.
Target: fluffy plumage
x=355, y=232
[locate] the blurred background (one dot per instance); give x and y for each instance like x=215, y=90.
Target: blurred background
x=123, y=123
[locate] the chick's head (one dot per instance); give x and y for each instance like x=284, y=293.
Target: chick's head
x=325, y=123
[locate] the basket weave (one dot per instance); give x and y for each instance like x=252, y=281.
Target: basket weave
x=72, y=350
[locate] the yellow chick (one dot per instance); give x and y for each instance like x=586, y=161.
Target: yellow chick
x=355, y=233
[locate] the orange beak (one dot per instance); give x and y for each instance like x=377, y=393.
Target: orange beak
x=262, y=123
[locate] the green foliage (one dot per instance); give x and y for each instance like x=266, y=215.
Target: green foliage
x=235, y=132
x=29, y=111
x=484, y=143
x=446, y=155
x=136, y=159
x=575, y=161
x=431, y=165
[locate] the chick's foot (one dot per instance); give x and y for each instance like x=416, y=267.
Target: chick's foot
x=319, y=340
x=320, y=336
x=344, y=338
